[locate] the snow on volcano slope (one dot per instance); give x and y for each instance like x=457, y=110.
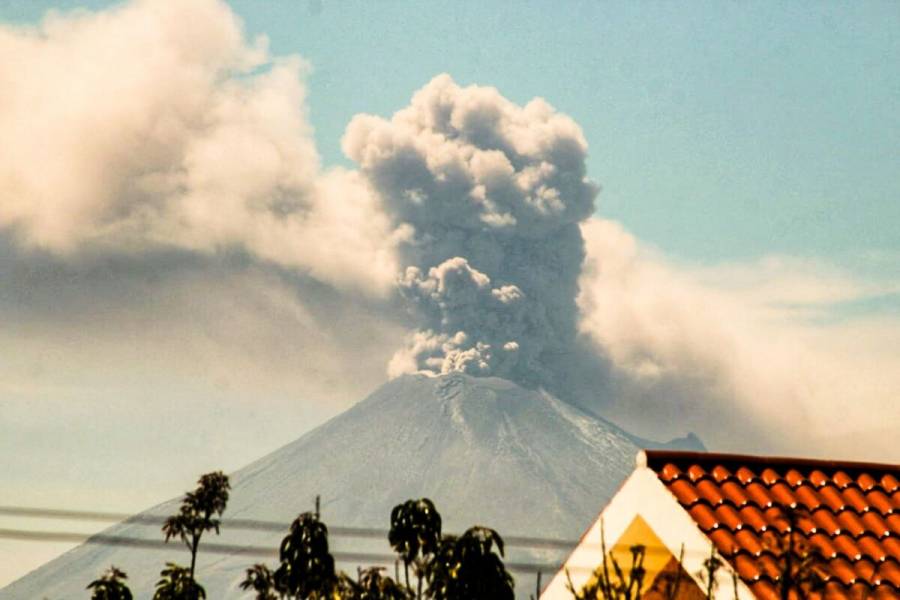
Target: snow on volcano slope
x=484, y=449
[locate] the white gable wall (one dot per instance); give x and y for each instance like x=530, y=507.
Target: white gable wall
x=645, y=495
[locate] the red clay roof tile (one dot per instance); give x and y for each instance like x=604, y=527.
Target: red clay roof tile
x=695, y=472
x=875, y=524
x=866, y=482
x=710, y=491
x=721, y=474
x=824, y=545
x=669, y=472
x=895, y=499
x=889, y=571
x=735, y=493
x=890, y=483
x=818, y=478
x=832, y=496
x=892, y=545
x=845, y=514
x=729, y=517
x=760, y=494
x=808, y=496
x=894, y=522
x=856, y=499
x=753, y=517
x=871, y=547
x=704, y=517
x=825, y=521
x=749, y=541
x=745, y=475
x=880, y=501
x=764, y=590
x=850, y=522
x=842, y=479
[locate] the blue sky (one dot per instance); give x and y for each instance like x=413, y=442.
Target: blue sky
x=718, y=130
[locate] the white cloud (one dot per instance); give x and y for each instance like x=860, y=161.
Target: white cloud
x=157, y=124
x=733, y=353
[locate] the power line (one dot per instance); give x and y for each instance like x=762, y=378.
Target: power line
x=252, y=524
x=228, y=549
x=526, y=542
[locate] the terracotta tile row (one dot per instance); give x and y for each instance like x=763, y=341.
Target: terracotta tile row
x=791, y=490
x=767, y=590
x=731, y=542
x=845, y=514
x=764, y=509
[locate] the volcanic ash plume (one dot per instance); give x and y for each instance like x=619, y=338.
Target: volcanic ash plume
x=490, y=195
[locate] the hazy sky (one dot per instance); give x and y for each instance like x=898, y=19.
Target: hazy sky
x=744, y=257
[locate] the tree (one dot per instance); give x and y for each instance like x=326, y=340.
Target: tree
x=110, y=586
x=370, y=584
x=415, y=535
x=307, y=568
x=467, y=568
x=198, y=513
x=261, y=580
x=176, y=583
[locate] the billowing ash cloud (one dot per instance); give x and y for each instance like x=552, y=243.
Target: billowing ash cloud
x=490, y=195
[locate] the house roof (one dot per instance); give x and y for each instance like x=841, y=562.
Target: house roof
x=846, y=514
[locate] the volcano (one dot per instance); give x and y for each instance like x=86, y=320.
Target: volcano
x=486, y=450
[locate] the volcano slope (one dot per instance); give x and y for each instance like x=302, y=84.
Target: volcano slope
x=484, y=449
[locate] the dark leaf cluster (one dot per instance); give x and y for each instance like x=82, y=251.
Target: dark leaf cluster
x=371, y=584
x=110, y=586
x=467, y=567
x=415, y=529
x=200, y=509
x=176, y=583
x=307, y=567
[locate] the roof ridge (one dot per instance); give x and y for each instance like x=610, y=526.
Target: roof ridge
x=656, y=459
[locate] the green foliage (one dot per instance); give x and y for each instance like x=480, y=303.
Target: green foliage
x=307, y=567
x=467, y=568
x=372, y=585
x=176, y=583
x=415, y=535
x=110, y=586
x=199, y=513
x=261, y=580
x=415, y=529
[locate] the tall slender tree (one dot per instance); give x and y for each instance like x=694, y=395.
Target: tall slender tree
x=199, y=513
x=415, y=535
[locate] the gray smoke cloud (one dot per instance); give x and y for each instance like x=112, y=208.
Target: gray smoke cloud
x=489, y=195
